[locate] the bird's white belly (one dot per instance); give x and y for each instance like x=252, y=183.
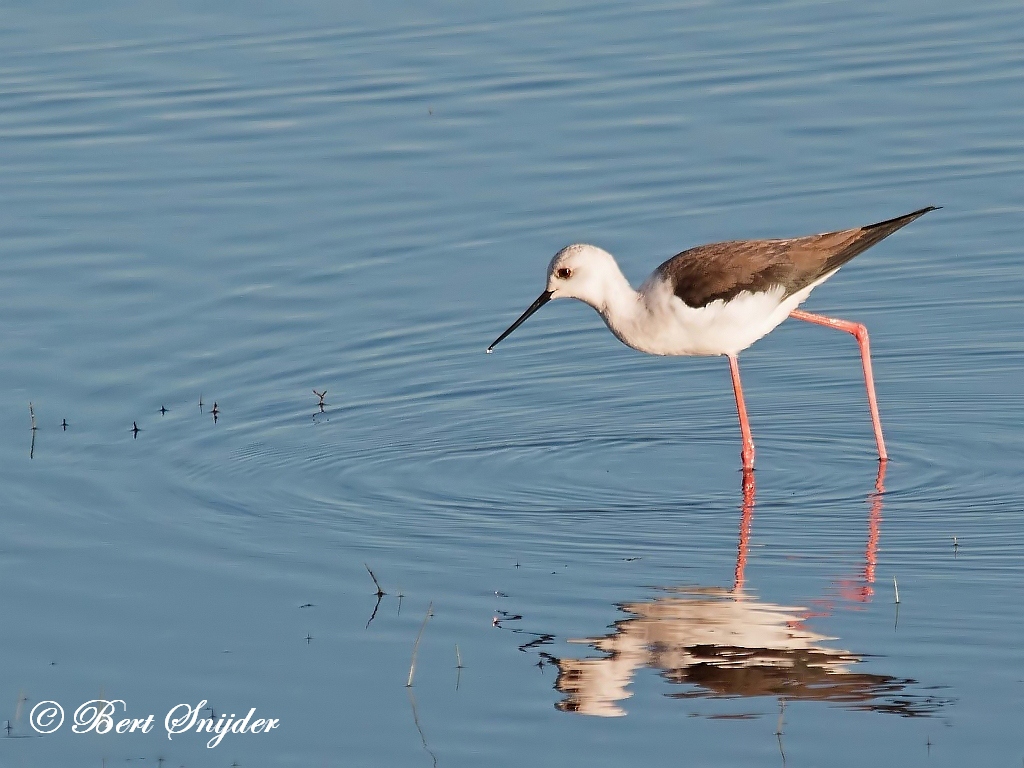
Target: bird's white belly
x=665, y=325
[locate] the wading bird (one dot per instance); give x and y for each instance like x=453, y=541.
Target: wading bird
x=717, y=299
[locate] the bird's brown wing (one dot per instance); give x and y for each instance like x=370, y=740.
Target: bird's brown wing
x=722, y=270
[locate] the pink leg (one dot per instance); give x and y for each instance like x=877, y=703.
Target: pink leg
x=861, y=334
x=741, y=408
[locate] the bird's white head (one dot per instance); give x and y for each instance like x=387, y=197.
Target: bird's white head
x=583, y=272
x=578, y=271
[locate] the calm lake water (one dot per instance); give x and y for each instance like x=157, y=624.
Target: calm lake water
x=239, y=205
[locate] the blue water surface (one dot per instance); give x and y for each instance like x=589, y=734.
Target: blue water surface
x=214, y=206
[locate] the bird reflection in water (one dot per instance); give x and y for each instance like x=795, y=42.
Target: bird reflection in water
x=726, y=643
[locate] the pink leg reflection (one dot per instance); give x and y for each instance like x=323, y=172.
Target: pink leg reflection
x=863, y=590
x=746, y=521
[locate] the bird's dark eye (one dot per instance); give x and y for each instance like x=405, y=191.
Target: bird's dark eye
x=564, y=273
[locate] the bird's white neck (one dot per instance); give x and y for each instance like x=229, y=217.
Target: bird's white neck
x=590, y=274
x=620, y=307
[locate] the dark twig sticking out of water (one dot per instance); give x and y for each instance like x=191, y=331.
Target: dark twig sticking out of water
x=380, y=592
x=32, y=448
x=416, y=645
x=458, y=667
x=376, y=607
x=896, y=621
x=215, y=412
x=64, y=424
x=163, y=410
x=135, y=430
x=321, y=395
x=380, y=595
x=778, y=730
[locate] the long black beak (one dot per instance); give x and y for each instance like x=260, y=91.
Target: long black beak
x=543, y=299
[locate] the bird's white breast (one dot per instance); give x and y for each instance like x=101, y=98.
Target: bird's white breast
x=662, y=324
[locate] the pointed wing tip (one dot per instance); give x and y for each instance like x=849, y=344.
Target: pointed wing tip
x=904, y=219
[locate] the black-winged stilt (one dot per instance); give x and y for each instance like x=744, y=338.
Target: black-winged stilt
x=717, y=299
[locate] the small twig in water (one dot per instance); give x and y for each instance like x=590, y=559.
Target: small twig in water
x=458, y=657
x=376, y=607
x=380, y=595
x=778, y=729
x=321, y=395
x=416, y=645
x=896, y=587
x=380, y=592
x=32, y=413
